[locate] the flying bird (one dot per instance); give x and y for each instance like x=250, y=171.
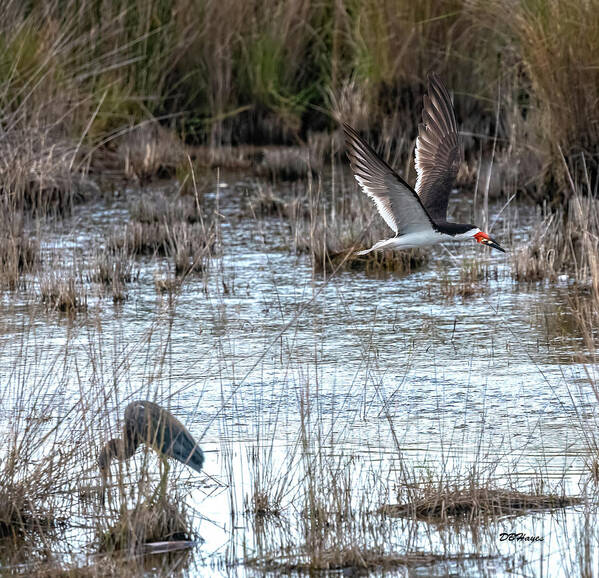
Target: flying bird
x=148, y=423
x=417, y=217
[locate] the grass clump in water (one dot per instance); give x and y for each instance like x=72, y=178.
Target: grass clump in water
x=19, y=256
x=63, y=294
x=163, y=520
x=112, y=270
x=444, y=504
x=564, y=243
x=472, y=280
x=171, y=227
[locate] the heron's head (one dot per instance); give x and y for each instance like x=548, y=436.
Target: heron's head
x=484, y=239
x=112, y=449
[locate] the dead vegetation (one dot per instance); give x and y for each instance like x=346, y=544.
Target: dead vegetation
x=265, y=202
x=63, y=293
x=473, y=280
x=34, y=473
x=112, y=270
x=278, y=163
x=442, y=505
x=160, y=521
x=172, y=227
x=564, y=242
x=19, y=257
x=357, y=561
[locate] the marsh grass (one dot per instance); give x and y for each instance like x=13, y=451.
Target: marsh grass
x=27, y=494
x=64, y=294
x=473, y=280
x=475, y=503
x=112, y=270
x=358, y=561
x=80, y=86
x=325, y=511
x=552, y=42
x=19, y=257
x=563, y=243
x=265, y=202
x=150, y=151
x=160, y=521
x=36, y=469
x=173, y=227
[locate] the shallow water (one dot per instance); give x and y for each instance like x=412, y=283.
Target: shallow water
x=378, y=360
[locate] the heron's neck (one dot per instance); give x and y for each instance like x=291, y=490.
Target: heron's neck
x=123, y=448
x=128, y=446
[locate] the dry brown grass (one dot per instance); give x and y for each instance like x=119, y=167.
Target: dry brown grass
x=356, y=561
x=263, y=505
x=472, y=281
x=19, y=256
x=553, y=43
x=112, y=270
x=266, y=202
x=60, y=292
x=81, y=85
x=160, y=521
x=35, y=171
x=35, y=475
x=564, y=242
x=150, y=151
x=442, y=505
x=174, y=227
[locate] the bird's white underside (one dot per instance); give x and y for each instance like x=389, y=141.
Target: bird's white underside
x=419, y=235
x=423, y=238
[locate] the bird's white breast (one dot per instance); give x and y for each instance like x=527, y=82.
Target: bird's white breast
x=423, y=238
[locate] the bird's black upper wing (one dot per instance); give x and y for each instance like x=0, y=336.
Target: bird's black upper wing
x=396, y=201
x=438, y=150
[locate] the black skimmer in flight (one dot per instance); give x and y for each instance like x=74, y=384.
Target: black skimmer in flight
x=418, y=217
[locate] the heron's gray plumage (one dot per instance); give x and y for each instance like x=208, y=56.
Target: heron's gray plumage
x=148, y=423
x=438, y=151
x=396, y=201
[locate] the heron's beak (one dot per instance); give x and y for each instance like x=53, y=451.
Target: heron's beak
x=103, y=489
x=494, y=244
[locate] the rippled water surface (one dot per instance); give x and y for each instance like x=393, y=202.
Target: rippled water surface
x=387, y=363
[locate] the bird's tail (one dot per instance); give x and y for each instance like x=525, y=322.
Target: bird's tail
x=364, y=252
x=376, y=246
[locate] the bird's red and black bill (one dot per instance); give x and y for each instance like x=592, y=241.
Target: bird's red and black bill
x=495, y=245
x=484, y=239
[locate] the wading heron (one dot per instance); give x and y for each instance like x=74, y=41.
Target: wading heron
x=148, y=423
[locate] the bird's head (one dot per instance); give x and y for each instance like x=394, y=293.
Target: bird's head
x=112, y=449
x=484, y=239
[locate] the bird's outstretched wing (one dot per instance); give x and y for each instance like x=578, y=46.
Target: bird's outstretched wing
x=395, y=200
x=438, y=150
